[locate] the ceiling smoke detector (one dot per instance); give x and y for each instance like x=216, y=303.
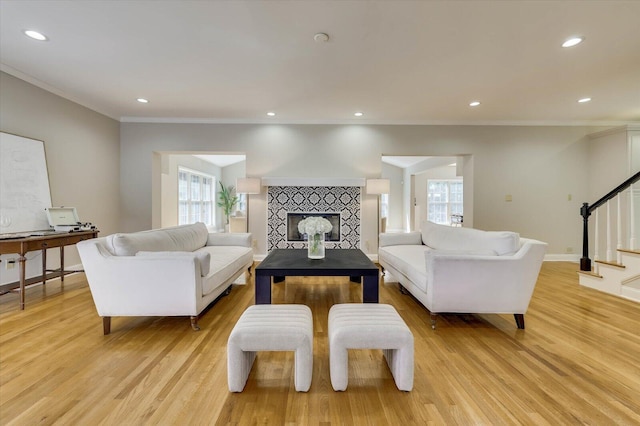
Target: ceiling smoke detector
x=321, y=38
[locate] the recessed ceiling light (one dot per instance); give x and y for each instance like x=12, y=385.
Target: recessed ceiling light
x=358, y=114
x=573, y=41
x=271, y=114
x=321, y=37
x=35, y=35
x=142, y=100
x=474, y=104
x=583, y=100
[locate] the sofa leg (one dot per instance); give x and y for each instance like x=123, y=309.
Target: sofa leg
x=106, y=325
x=227, y=291
x=194, y=323
x=402, y=289
x=433, y=321
x=519, y=320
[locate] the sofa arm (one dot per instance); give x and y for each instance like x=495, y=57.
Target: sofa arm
x=477, y=283
x=141, y=285
x=242, y=239
x=400, y=239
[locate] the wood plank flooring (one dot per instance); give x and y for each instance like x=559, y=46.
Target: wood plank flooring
x=577, y=362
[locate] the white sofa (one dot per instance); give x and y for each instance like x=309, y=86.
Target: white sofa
x=176, y=271
x=463, y=270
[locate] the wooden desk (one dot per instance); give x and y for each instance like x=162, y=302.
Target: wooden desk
x=24, y=245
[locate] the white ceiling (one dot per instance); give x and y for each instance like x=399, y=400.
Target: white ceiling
x=399, y=62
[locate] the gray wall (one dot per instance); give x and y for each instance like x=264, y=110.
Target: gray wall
x=82, y=149
x=537, y=166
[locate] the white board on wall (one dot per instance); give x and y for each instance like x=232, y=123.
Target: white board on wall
x=24, y=184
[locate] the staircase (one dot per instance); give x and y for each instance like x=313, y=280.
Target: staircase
x=620, y=279
x=619, y=272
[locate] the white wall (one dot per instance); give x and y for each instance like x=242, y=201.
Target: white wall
x=538, y=166
x=83, y=157
x=395, y=221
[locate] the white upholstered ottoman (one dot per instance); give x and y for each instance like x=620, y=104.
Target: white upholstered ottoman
x=271, y=328
x=369, y=326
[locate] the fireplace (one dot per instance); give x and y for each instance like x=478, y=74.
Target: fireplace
x=341, y=204
x=294, y=218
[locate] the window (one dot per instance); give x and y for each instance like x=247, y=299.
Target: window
x=196, y=192
x=242, y=203
x=444, y=198
x=384, y=205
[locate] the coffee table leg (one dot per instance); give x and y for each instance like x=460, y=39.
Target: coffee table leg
x=263, y=289
x=370, y=289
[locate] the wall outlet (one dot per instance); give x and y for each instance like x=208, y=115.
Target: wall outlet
x=569, y=250
x=254, y=243
x=10, y=264
x=366, y=245
x=508, y=197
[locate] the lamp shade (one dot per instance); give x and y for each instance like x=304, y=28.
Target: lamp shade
x=248, y=185
x=378, y=186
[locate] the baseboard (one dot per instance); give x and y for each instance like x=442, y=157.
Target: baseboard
x=562, y=258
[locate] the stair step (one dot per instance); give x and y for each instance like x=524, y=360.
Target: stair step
x=631, y=293
x=590, y=274
x=629, y=251
x=614, y=264
x=632, y=282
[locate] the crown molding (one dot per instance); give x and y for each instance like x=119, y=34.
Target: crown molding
x=365, y=122
x=300, y=181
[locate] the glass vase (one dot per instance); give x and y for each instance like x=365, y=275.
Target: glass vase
x=316, y=246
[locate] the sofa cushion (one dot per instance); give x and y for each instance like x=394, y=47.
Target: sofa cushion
x=177, y=238
x=204, y=258
x=442, y=237
x=225, y=262
x=408, y=260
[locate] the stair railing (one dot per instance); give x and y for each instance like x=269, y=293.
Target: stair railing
x=585, y=212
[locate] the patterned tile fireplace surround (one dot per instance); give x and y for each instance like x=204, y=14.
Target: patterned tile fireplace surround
x=282, y=200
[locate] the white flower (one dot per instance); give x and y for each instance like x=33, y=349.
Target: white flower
x=314, y=225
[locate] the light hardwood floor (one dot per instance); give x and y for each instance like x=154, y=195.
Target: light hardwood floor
x=577, y=362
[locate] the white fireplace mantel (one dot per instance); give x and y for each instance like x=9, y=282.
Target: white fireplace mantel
x=300, y=181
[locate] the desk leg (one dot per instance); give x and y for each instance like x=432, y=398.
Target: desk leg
x=370, y=289
x=23, y=263
x=62, y=266
x=44, y=267
x=263, y=289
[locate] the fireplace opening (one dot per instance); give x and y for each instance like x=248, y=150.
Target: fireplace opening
x=294, y=218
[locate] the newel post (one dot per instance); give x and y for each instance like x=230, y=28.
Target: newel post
x=585, y=262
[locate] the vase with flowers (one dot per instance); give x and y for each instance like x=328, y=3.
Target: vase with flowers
x=315, y=227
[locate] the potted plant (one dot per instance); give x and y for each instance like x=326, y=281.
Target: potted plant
x=227, y=201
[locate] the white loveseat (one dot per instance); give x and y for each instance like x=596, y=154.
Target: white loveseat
x=176, y=271
x=464, y=270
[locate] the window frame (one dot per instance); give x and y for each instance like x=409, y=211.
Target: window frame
x=206, y=207
x=448, y=203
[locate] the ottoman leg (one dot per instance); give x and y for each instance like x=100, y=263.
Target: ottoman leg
x=303, y=367
x=239, y=365
x=400, y=362
x=338, y=366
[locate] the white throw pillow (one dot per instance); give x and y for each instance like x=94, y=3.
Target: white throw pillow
x=442, y=237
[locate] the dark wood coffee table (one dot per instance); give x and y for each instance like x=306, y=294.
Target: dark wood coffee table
x=282, y=263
